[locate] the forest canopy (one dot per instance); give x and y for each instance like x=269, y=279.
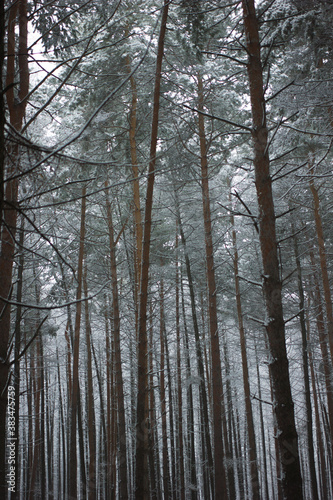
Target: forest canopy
x=166, y=320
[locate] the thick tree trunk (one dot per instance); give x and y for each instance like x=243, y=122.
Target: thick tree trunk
x=220, y=486
x=9, y=194
x=141, y=475
x=287, y=438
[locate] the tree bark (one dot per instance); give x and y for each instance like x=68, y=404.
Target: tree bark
x=117, y=358
x=307, y=395
x=72, y=488
x=287, y=438
x=9, y=195
x=246, y=381
x=180, y=446
x=90, y=399
x=322, y=258
x=201, y=371
x=141, y=475
x=220, y=486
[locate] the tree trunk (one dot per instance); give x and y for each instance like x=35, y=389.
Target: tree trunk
x=180, y=447
x=198, y=350
x=72, y=488
x=166, y=471
x=9, y=194
x=309, y=424
x=322, y=258
x=246, y=381
x=142, y=479
x=287, y=438
x=220, y=486
x=191, y=455
x=90, y=396
x=123, y=493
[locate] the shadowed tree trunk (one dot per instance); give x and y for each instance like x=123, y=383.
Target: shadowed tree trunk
x=90, y=399
x=322, y=257
x=117, y=358
x=72, y=487
x=220, y=486
x=201, y=371
x=180, y=447
x=141, y=474
x=246, y=381
x=287, y=438
x=309, y=424
x=17, y=55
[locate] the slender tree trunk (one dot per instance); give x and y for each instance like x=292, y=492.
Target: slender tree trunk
x=166, y=471
x=153, y=448
x=246, y=381
x=227, y=431
x=287, y=438
x=322, y=258
x=193, y=485
x=123, y=493
x=220, y=487
x=90, y=396
x=309, y=424
x=72, y=489
x=265, y=492
x=328, y=374
x=142, y=479
x=180, y=447
x=136, y=190
x=63, y=457
x=199, y=356
x=173, y=478
x=323, y=471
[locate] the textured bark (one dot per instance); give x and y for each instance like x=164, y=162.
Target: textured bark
x=141, y=474
x=220, y=486
x=17, y=375
x=287, y=438
x=16, y=55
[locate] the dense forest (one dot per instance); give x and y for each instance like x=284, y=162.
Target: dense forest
x=166, y=322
